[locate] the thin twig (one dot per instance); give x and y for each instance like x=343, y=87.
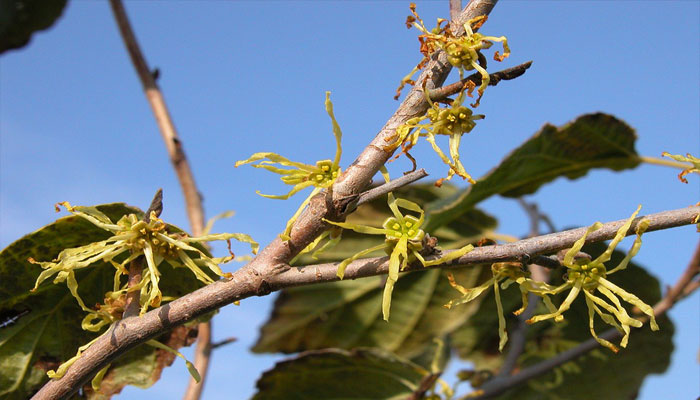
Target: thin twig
x=176, y=152
x=392, y=185
x=165, y=122
x=224, y=342
x=131, y=304
x=680, y=289
x=425, y=384
x=454, y=88
x=518, y=335
x=202, y=357
x=501, y=384
x=551, y=262
x=351, y=203
x=130, y=332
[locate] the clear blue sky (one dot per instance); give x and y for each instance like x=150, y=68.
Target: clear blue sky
x=243, y=77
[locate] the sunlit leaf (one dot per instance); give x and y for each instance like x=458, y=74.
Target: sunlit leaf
x=591, y=141
x=339, y=374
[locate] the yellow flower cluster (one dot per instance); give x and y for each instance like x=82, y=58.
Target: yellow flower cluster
x=452, y=122
x=131, y=239
x=584, y=276
x=463, y=52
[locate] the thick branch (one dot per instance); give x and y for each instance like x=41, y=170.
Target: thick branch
x=193, y=201
x=130, y=332
x=455, y=9
x=682, y=288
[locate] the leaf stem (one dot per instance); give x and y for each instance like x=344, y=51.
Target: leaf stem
x=665, y=163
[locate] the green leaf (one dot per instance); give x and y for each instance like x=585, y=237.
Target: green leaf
x=19, y=19
x=591, y=141
x=336, y=374
x=589, y=376
x=347, y=314
x=50, y=332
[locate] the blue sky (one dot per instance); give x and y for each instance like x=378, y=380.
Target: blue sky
x=243, y=77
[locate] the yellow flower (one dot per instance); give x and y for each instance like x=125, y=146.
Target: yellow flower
x=590, y=277
x=463, y=52
x=453, y=122
x=403, y=243
x=321, y=176
x=133, y=238
x=504, y=274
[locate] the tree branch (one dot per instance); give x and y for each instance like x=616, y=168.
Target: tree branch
x=455, y=9
x=454, y=88
x=193, y=200
x=273, y=258
x=518, y=336
x=130, y=332
x=683, y=287
x=223, y=342
x=165, y=123
x=392, y=185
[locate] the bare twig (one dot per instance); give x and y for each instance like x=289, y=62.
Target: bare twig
x=535, y=216
x=682, y=288
x=425, y=384
x=131, y=304
x=133, y=331
x=193, y=201
x=165, y=122
x=685, y=285
x=454, y=88
x=518, y=336
x=222, y=343
x=392, y=185
x=202, y=357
